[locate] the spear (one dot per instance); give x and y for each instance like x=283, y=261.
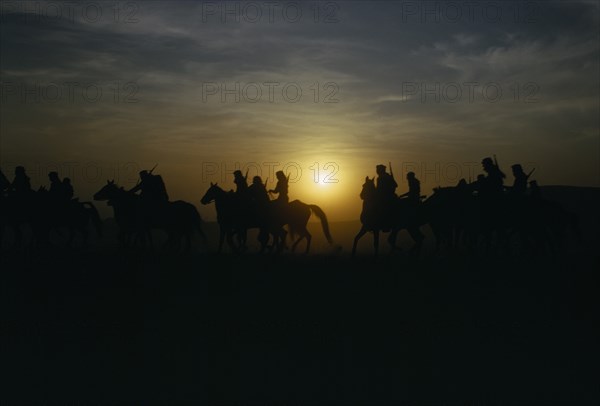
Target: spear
x=530, y=173
x=391, y=171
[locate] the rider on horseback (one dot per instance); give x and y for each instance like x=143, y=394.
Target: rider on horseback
x=241, y=183
x=493, y=186
x=152, y=188
x=21, y=184
x=258, y=191
x=414, y=188
x=60, y=192
x=281, y=188
x=519, y=187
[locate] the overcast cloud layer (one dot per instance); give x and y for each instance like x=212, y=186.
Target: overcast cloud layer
x=369, y=59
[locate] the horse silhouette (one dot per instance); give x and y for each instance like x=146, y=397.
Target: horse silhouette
x=457, y=216
x=402, y=214
x=136, y=218
x=44, y=214
x=234, y=215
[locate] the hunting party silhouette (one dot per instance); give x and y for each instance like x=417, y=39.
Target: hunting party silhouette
x=299, y=203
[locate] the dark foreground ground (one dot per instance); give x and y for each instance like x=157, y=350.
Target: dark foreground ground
x=110, y=328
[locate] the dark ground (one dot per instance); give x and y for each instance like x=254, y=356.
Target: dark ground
x=96, y=326
x=110, y=328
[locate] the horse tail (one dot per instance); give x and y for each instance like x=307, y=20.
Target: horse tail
x=321, y=215
x=91, y=209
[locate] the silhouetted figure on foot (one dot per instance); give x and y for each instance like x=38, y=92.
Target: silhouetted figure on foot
x=386, y=192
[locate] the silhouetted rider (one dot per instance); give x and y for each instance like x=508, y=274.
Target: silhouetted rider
x=59, y=192
x=519, y=186
x=68, y=188
x=536, y=192
x=494, y=181
x=21, y=184
x=258, y=191
x=281, y=188
x=241, y=183
x=386, y=185
x=414, y=188
x=152, y=188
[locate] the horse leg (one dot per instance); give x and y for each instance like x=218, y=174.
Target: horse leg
x=308, y=240
x=358, y=236
x=221, y=240
x=418, y=238
x=392, y=239
x=230, y=241
x=300, y=238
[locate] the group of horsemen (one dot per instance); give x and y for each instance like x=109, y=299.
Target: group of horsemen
x=489, y=187
x=153, y=191
x=151, y=188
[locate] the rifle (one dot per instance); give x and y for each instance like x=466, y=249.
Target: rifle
x=498, y=166
x=153, y=168
x=266, y=181
x=530, y=173
x=391, y=171
x=246, y=176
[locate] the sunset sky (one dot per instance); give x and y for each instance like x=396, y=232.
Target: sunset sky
x=426, y=86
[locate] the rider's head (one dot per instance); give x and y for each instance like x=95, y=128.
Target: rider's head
x=237, y=174
x=53, y=176
x=67, y=181
x=20, y=170
x=487, y=163
x=280, y=175
x=257, y=180
x=380, y=169
x=410, y=175
x=517, y=169
x=144, y=174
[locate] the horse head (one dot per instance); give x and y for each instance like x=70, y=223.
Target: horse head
x=107, y=192
x=213, y=192
x=368, y=189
